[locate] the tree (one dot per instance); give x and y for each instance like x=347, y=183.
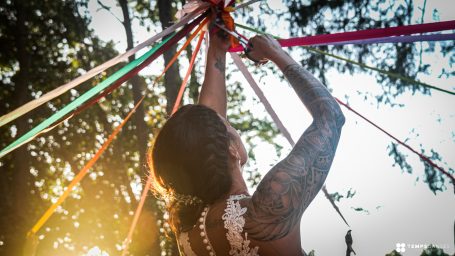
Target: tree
x=62, y=47
x=48, y=43
x=323, y=17
x=399, y=58
x=40, y=43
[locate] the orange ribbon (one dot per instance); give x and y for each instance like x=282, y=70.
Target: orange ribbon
x=188, y=73
x=188, y=41
x=229, y=24
x=82, y=173
x=92, y=161
x=148, y=184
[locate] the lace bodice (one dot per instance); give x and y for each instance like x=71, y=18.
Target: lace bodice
x=233, y=223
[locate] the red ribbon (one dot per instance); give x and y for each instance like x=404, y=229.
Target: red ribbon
x=363, y=34
x=422, y=156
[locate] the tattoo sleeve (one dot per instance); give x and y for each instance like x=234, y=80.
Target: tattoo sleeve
x=290, y=186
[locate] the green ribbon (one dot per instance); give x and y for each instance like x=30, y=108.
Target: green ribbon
x=385, y=72
x=81, y=99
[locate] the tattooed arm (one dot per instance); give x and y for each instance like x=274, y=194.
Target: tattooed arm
x=290, y=186
x=213, y=92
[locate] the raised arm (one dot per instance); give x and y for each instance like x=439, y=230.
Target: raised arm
x=290, y=186
x=213, y=91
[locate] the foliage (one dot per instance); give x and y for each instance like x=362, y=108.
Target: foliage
x=60, y=46
x=393, y=253
x=323, y=17
x=63, y=48
x=337, y=196
x=433, y=177
x=429, y=251
x=399, y=158
x=433, y=251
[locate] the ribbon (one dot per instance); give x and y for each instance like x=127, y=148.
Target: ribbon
x=228, y=22
x=82, y=172
x=423, y=157
x=327, y=195
x=128, y=76
x=249, y=78
x=148, y=184
x=382, y=71
x=190, y=7
x=188, y=73
x=222, y=3
x=176, y=55
x=86, y=168
x=397, y=39
x=396, y=75
x=137, y=213
x=158, y=53
x=360, y=35
x=241, y=66
x=74, y=104
x=122, y=75
x=245, y=4
x=91, y=73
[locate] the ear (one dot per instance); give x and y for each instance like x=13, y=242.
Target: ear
x=233, y=151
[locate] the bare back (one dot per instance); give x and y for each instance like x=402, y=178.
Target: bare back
x=268, y=223
x=222, y=230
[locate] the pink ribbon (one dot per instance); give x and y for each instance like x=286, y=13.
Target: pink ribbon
x=241, y=66
x=275, y=117
x=190, y=7
x=362, y=34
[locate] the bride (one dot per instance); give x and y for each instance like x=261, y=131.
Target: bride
x=197, y=158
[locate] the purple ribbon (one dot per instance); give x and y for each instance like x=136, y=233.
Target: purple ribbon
x=397, y=39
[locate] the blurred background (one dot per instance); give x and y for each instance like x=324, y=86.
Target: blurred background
x=390, y=198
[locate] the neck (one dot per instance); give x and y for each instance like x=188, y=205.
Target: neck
x=238, y=183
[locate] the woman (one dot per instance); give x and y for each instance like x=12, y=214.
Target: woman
x=197, y=158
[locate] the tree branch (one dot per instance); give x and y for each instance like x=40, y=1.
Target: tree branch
x=108, y=9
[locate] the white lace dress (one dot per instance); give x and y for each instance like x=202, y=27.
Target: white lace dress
x=233, y=223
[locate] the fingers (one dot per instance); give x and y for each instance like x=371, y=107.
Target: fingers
x=259, y=44
x=263, y=48
x=264, y=41
x=256, y=62
x=257, y=50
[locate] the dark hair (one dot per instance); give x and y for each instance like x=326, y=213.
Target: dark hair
x=190, y=157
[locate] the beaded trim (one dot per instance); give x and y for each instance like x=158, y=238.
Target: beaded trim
x=233, y=222
x=203, y=233
x=184, y=243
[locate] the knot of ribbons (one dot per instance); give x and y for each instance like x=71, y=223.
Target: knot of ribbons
x=223, y=9
x=228, y=21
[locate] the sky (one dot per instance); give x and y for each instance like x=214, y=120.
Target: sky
x=400, y=209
